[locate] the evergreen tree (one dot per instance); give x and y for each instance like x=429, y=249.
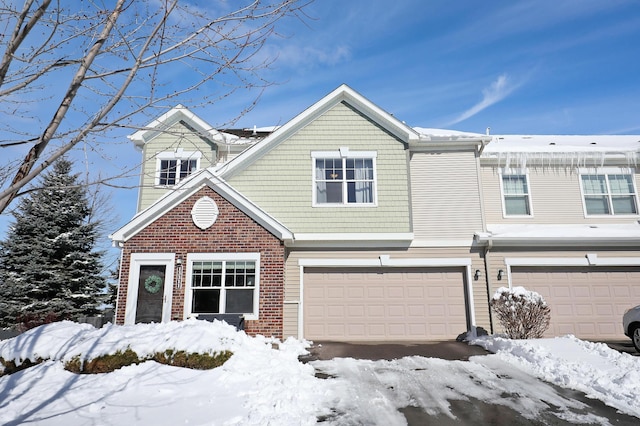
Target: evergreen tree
x=49, y=268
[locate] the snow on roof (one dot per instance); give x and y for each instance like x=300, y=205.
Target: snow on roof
x=563, y=143
x=445, y=133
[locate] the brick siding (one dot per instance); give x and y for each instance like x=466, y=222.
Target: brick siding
x=233, y=232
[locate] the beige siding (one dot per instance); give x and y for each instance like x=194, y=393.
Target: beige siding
x=292, y=276
x=496, y=261
x=445, y=195
x=555, y=198
x=177, y=136
x=281, y=183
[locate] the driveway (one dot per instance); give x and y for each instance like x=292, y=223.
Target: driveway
x=438, y=384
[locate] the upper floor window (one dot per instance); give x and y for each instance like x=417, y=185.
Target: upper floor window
x=609, y=194
x=173, y=167
x=344, y=178
x=515, y=192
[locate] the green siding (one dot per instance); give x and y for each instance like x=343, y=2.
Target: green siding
x=177, y=136
x=281, y=181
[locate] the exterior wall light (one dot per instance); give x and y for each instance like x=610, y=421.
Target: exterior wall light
x=477, y=275
x=500, y=274
x=179, y=272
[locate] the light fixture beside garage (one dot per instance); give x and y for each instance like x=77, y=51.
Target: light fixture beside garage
x=477, y=275
x=500, y=274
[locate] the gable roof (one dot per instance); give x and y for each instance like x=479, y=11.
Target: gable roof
x=190, y=186
x=175, y=115
x=343, y=93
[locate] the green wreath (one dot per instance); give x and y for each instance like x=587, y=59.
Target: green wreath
x=153, y=284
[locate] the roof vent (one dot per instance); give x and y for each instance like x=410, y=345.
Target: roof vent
x=204, y=213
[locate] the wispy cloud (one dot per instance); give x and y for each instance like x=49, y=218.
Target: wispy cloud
x=497, y=91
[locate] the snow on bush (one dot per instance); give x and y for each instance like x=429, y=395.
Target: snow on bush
x=522, y=313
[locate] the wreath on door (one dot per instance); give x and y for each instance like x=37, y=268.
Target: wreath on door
x=153, y=284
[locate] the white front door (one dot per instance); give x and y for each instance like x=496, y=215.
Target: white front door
x=149, y=293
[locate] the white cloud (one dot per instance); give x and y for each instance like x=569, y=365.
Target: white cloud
x=497, y=91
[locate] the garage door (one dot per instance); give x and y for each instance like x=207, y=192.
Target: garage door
x=586, y=302
x=384, y=304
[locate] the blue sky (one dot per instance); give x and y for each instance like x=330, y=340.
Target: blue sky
x=545, y=67
x=566, y=67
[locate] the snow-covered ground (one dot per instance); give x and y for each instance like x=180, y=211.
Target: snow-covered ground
x=263, y=383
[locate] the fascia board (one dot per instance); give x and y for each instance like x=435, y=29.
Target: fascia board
x=557, y=241
x=167, y=120
x=342, y=94
x=250, y=209
x=191, y=186
x=351, y=240
x=152, y=213
x=450, y=144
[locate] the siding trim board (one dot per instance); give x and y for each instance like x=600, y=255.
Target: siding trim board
x=590, y=259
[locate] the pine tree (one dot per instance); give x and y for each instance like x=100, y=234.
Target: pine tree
x=49, y=268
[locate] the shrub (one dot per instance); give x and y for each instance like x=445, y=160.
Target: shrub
x=109, y=363
x=104, y=363
x=523, y=314
x=192, y=360
x=10, y=367
x=28, y=321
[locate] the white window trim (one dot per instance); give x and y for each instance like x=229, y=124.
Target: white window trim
x=217, y=257
x=178, y=154
x=608, y=171
x=344, y=153
x=138, y=259
x=515, y=172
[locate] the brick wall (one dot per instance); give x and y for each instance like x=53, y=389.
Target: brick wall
x=233, y=232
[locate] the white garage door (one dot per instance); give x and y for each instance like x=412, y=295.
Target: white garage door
x=384, y=304
x=586, y=302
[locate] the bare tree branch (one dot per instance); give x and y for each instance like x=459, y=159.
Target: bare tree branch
x=125, y=59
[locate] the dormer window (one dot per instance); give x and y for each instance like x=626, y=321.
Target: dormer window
x=173, y=167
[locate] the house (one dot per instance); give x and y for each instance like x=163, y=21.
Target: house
x=562, y=219
x=347, y=224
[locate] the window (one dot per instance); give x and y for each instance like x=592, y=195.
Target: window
x=515, y=191
x=343, y=178
x=173, y=167
x=609, y=194
x=220, y=285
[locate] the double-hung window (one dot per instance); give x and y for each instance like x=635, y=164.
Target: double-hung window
x=515, y=193
x=173, y=167
x=609, y=194
x=344, y=178
x=223, y=284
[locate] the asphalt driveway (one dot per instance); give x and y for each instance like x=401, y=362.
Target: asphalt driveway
x=461, y=410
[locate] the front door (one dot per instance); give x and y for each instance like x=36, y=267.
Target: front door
x=149, y=290
x=151, y=283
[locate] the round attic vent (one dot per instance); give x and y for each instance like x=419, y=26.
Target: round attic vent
x=204, y=212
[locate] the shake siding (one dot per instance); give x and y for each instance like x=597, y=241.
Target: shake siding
x=281, y=181
x=177, y=136
x=445, y=195
x=555, y=199
x=292, y=277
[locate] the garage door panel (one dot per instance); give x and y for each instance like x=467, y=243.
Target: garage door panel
x=414, y=304
x=585, y=301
